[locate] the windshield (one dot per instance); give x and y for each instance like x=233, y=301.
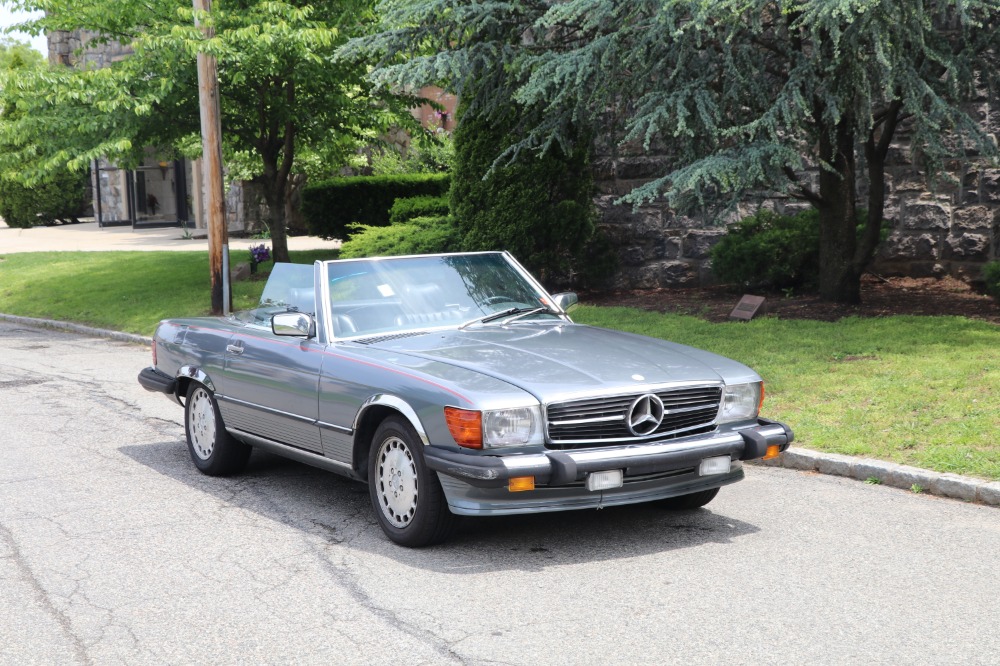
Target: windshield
x=388, y=295
x=289, y=287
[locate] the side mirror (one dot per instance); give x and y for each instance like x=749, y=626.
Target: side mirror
x=294, y=324
x=566, y=301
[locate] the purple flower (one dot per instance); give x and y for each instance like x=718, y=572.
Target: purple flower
x=259, y=253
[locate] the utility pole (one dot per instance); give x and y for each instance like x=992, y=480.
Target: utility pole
x=211, y=151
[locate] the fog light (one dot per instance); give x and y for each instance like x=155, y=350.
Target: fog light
x=519, y=484
x=773, y=451
x=717, y=465
x=611, y=478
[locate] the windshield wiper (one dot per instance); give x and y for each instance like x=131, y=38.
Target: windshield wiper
x=525, y=312
x=510, y=313
x=490, y=317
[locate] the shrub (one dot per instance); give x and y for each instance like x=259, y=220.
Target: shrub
x=62, y=198
x=991, y=277
x=770, y=251
x=329, y=206
x=411, y=207
x=539, y=207
x=420, y=235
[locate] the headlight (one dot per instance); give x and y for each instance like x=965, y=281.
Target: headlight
x=741, y=402
x=511, y=427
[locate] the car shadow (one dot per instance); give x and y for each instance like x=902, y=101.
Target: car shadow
x=338, y=511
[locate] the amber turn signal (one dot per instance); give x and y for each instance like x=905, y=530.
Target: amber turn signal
x=773, y=451
x=521, y=483
x=466, y=426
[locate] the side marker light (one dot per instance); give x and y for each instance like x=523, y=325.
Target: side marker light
x=519, y=484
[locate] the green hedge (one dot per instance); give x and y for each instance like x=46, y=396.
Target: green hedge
x=331, y=205
x=61, y=198
x=420, y=235
x=991, y=278
x=411, y=207
x=770, y=251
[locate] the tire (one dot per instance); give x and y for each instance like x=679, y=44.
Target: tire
x=213, y=450
x=691, y=501
x=409, y=504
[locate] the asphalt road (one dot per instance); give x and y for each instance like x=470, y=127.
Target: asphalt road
x=113, y=549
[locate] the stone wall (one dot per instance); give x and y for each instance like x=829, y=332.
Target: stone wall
x=947, y=229
x=65, y=49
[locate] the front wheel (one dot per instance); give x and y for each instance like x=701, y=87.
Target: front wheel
x=213, y=450
x=407, y=497
x=690, y=501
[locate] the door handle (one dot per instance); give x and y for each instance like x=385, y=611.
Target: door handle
x=234, y=349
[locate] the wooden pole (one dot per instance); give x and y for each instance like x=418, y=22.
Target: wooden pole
x=211, y=148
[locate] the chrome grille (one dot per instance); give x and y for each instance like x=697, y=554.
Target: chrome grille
x=603, y=420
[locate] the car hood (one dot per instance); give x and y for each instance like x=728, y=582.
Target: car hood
x=558, y=361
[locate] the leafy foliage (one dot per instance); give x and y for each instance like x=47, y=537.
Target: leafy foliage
x=329, y=207
x=284, y=92
x=62, y=197
x=429, y=152
x=539, y=208
x=411, y=207
x=991, y=277
x=419, y=235
x=770, y=251
x=743, y=94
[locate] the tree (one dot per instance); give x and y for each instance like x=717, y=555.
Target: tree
x=743, y=94
x=61, y=195
x=539, y=208
x=283, y=90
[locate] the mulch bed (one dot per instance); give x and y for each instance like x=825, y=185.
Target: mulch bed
x=880, y=297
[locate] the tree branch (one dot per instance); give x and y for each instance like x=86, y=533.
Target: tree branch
x=804, y=191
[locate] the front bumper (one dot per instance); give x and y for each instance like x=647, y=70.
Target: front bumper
x=565, y=468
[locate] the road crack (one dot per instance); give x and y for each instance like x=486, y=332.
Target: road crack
x=24, y=568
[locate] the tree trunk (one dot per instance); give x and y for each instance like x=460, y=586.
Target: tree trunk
x=839, y=275
x=274, y=196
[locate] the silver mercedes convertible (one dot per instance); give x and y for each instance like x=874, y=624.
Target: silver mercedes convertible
x=456, y=385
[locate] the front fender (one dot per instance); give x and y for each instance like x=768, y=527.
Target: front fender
x=396, y=403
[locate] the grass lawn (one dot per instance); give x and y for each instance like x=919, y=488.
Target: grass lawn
x=123, y=291
x=916, y=390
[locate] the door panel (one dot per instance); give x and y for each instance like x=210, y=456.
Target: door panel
x=271, y=387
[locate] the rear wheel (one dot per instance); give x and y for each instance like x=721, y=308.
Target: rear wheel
x=409, y=504
x=213, y=450
x=691, y=501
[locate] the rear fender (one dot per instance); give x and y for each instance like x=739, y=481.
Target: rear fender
x=191, y=373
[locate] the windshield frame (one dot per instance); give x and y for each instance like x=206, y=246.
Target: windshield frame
x=324, y=295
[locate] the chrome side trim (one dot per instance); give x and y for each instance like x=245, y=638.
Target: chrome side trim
x=196, y=373
x=301, y=455
x=399, y=405
x=269, y=410
x=330, y=426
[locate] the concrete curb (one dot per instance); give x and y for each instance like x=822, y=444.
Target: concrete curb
x=77, y=328
x=890, y=474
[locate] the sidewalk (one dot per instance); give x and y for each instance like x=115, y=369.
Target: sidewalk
x=89, y=237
